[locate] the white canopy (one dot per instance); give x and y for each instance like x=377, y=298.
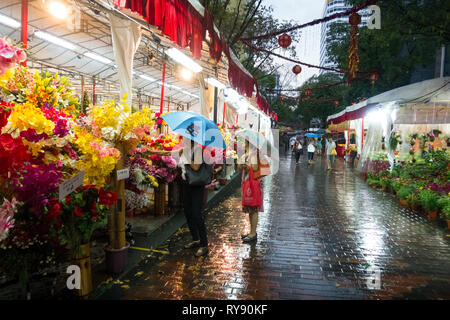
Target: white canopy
x=434, y=90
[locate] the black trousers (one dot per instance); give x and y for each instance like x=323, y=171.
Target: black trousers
x=193, y=205
x=297, y=154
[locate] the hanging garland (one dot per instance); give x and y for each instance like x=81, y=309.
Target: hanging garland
x=353, y=57
x=314, y=22
x=283, y=97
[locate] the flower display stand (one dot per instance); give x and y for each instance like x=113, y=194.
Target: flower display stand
x=83, y=260
x=160, y=200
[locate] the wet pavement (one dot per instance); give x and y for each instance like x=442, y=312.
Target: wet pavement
x=323, y=235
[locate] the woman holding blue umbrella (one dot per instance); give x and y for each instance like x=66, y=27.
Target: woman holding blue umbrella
x=196, y=174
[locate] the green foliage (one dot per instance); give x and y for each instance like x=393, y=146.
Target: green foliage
x=405, y=191
x=373, y=183
x=386, y=183
x=413, y=199
x=429, y=200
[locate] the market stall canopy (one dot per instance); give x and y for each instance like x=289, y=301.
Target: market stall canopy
x=429, y=91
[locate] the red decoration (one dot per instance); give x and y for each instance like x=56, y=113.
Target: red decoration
x=308, y=93
x=336, y=103
x=285, y=40
x=297, y=69
x=353, y=58
x=354, y=19
x=281, y=98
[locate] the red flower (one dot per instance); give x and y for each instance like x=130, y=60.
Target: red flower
x=68, y=200
x=5, y=111
x=78, y=212
x=54, y=208
x=107, y=197
x=89, y=186
x=213, y=153
x=159, y=121
x=94, y=209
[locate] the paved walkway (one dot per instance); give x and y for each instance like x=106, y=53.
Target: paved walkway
x=324, y=235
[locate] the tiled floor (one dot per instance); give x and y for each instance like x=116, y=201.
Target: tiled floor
x=323, y=235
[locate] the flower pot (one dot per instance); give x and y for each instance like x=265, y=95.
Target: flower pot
x=432, y=214
x=160, y=200
x=116, y=259
x=403, y=202
x=83, y=260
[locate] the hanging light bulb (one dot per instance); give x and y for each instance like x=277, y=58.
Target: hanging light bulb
x=186, y=74
x=58, y=9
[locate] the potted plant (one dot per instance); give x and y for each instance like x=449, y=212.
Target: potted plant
x=413, y=201
x=385, y=184
x=444, y=205
x=429, y=201
x=403, y=194
x=82, y=212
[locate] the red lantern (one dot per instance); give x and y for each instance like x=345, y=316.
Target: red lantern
x=373, y=77
x=296, y=69
x=284, y=40
x=308, y=93
x=354, y=19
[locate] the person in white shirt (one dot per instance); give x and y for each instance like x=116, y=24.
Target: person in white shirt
x=298, y=150
x=311, y=150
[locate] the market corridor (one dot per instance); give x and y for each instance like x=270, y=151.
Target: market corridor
x=322, y=236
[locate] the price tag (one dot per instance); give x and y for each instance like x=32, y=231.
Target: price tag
x=68, y=186
x=123, y=174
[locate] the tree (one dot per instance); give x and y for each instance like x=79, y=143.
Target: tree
x=310, y=108
x=411, y=32
x=241, y=18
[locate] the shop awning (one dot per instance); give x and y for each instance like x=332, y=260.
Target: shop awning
x=434, y=90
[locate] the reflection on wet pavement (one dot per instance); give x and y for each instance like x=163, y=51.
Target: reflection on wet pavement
x=323, y=235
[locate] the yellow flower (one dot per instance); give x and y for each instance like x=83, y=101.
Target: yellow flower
x=26, y=116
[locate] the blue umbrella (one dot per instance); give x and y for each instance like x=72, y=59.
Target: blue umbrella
x=312, y=135
x=196, y=127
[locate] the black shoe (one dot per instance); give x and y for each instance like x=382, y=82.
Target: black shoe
x=244, y=236
x=248, y=239
x=193, y=244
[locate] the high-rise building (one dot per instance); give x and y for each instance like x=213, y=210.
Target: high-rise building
x=333, y=7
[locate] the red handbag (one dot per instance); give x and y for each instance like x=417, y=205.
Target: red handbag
x=251, y=190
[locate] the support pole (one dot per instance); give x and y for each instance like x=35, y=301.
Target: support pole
x=215, y=104
x=223, y=115
x=24, y=30
x=162, y=87
x=362, y=135
x=83, y=107
x=93, y=92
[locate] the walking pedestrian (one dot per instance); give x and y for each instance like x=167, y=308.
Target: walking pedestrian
x=331, y=152
x=285, y=140
x=195, y=177
x=311, y=150
x=324, y=143
x=292, y=144
x=253, y=160
x=319, y=146
x=298, y=150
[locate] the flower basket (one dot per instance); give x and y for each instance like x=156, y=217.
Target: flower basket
x=162, y=152
x=83, y=260
x=160, y=200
